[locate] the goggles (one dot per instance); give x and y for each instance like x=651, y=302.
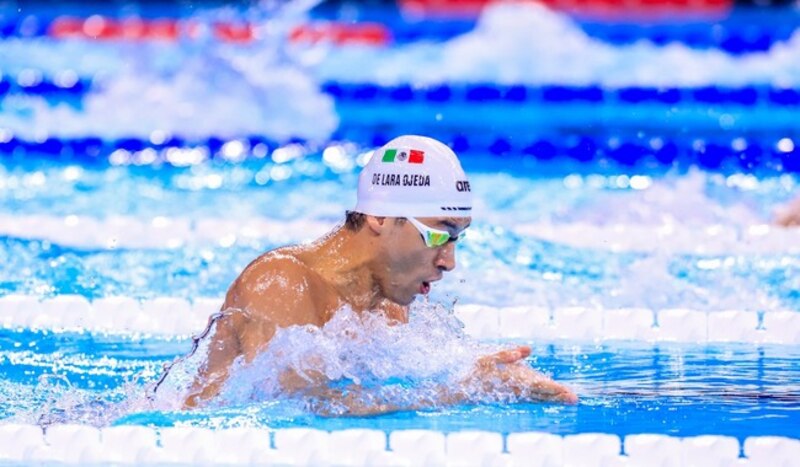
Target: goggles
x=434, y=237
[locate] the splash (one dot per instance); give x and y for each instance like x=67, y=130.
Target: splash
x=191, y=90
x=556, y=50
x=359, y=364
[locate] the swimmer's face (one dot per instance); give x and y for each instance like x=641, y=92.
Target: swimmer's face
x=411, y=265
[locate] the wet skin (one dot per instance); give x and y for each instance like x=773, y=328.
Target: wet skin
x=381, y=267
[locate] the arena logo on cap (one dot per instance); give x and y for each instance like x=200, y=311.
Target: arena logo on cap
x=413, y=156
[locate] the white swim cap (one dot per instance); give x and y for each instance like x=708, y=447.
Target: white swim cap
x=414, y=176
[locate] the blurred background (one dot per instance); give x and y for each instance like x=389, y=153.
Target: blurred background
x=654, y=82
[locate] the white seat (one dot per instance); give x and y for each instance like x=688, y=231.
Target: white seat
x=677, y=325
x=123, y=443
x=479, y=321
x=67, y=311
x=628, y=323
x=352, y=447
x=525, y=323
x=782, y=327
x=732, y=326
x=536, y=449
x=302, y=446
x=17, y=440
x=578, y=323
x=472, y=447
x=17, y=310
x=653, y=450
x=592, y=449
x=419, y=447
x=774, y=451
x=709, y=451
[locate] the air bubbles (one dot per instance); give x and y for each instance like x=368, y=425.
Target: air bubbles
x=36, y=179
x=337, y=159
x=726, y=121
x=641, y=182
x=280, y=173
x=785, y=145
x=573, y=181
x=287, y=153
x=158, y=137
x=119, y=157
x=29, y=77
x=739, y=144
x=260, y=151
x=72, y=173
x=183, y=157
x=234, y=151
x=66, y=79
x=5, y=135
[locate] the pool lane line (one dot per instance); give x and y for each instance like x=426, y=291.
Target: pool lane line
x=178, y=317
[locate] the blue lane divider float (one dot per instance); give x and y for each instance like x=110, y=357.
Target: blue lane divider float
x=780, y=154
x=473, y=93
x=44, y=87
x=485, y=92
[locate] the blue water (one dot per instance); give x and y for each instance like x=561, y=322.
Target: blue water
x=625, y=388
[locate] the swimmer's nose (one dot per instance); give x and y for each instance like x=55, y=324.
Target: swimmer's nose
x=446, y=258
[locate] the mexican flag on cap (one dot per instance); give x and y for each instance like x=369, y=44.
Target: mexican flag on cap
x=413, y=156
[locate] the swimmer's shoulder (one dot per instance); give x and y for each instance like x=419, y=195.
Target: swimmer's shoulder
x=280, y=268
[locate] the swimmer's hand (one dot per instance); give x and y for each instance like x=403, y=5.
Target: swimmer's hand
x=506, y=370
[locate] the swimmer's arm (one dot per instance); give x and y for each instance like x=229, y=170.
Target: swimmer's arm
x=259, y=301
x=222, y=351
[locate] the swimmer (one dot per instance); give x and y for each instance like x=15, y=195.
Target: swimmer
x=413, y=204
x=789, y=215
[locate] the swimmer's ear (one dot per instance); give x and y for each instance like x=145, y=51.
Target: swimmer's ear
x=376, y=224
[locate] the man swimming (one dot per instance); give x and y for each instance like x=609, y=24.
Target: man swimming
x=414, y=202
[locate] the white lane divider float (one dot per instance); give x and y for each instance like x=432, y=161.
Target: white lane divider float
x=128, y=445
x=170, y=316
x=169, y=232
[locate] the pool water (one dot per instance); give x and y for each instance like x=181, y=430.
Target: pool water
x=625, y=388
x=611, y=175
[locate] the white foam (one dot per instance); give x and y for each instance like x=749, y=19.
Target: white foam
x=557, y=51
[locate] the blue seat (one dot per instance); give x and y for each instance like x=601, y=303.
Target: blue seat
x=627, y=153
x=583, y=150
x=333, y=89
x=516, y=94
x=667, y=153
x=460, y=144
x=86, y=148
x=751, y=157
x=709, y=94
x=500, y=146
x=129, y=144
x=669, y=95
x=784, y=96
x=713, y=155
x=557, y=93
x=483, y=93
x=365, y=92
x=402, y=93
x=439, y=93
x=542, y=149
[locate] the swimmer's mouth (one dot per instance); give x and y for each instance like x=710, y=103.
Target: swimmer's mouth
x=425, y=288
